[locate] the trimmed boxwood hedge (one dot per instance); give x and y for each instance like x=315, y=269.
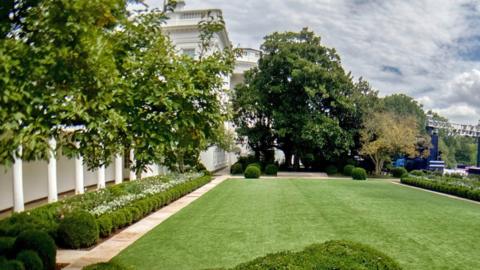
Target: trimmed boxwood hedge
x=236, y=168
x=347, y=170
x=78, y=230
x=12, y=265
x=271, y=169
x=30, y=260
x=252, y=172
x=448, y=188
x=398, y=172
x=329, y=255
x=41, y=243
x=359, y=174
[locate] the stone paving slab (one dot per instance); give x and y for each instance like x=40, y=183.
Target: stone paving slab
x=113, y=246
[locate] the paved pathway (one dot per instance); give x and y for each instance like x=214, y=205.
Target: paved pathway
x=113, y=246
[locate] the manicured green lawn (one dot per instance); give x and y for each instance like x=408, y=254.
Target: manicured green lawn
x=243, y=219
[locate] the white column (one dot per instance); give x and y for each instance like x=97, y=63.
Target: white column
x=52, y=172
x=79, y=180
x=101, y=177
x=133, y=174
x=18, y=202
x=118, y=169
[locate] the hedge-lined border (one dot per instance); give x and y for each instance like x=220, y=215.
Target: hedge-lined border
x=460, y=191
x=123, y=217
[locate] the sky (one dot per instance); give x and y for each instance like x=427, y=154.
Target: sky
x=427, y=49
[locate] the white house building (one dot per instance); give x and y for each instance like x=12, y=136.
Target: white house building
x=27, y=182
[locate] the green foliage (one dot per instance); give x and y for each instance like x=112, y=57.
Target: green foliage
x=348, y=169
x=252, y=172
x=465, y=188
x=359, y=174
x=6, y=246
x=13, y=265
x=41, y=243
x=271, y=169
x=236, y=168
x=398, y=172
x=404, y=106
x=331, y=170
x=256, y=164
x=30, y=260
x=299, y=99
x=329, y=255
x=105, y=266
x=78, y=230
x=105, y=226
x=417, y=173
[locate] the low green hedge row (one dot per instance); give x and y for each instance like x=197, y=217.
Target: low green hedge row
x=109, y=223
x=78, y=229
x=444, y=187
x=329, y=255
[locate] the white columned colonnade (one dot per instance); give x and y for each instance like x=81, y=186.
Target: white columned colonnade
x=18, y=193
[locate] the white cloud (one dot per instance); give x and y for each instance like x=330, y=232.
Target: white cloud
x=421, y=39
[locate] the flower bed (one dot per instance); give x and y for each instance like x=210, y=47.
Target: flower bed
x=464, y=187
x=101, y=213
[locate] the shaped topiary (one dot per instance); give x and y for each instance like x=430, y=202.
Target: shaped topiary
x=347, y=170
x=41, y=243
x=359, y=174
x=30, y=260
x=398, y=172
x=13, y=265
x=252, y=172
x=105, y=226
x=271, y=169
x=78, y=230
x=236, y=168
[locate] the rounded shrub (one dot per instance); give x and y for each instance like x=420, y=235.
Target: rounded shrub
x=30, y=260
x=359, y=174
x=41, y=243
x=78, y=230
x=331, y=169
x=105, y=226
x=252, y=172
x=329, y=255
x=236, y=168
x=398, y=172
x=271, y=169
x=13, y=265
x=119, y=219
x=256, y=164
x=347, y=170
x=6, y=246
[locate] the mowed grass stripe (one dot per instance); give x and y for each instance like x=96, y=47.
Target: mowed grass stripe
x=243, y=219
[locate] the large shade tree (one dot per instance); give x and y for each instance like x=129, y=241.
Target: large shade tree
x=299, y=100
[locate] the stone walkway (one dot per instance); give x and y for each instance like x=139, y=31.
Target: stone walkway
x=113, y=246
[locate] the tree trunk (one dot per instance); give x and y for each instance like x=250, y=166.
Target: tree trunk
x=296, y=164
x=180, y=162
x=288, y=158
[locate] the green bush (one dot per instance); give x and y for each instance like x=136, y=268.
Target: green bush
x=331, y=170
x=105, y=266
x=78, y=230
x=417, y=173
x=398, y=172
x=347, y=170
x=41, y=243
x=252, y=172
x=256, y=164
x=6, y=246
x=443, y=185
x=13, y=265
x=359, y=174
x=30, y=260
x=27, y=221
x=271, y=169
x=105, y=226
x=329, y=255
x=236, y=168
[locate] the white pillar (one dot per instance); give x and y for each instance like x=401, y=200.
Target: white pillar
x=79, y=181
x=118, y=169
x=133, y=174
x=18, y=203
x=52, y=172
x=101, y=177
